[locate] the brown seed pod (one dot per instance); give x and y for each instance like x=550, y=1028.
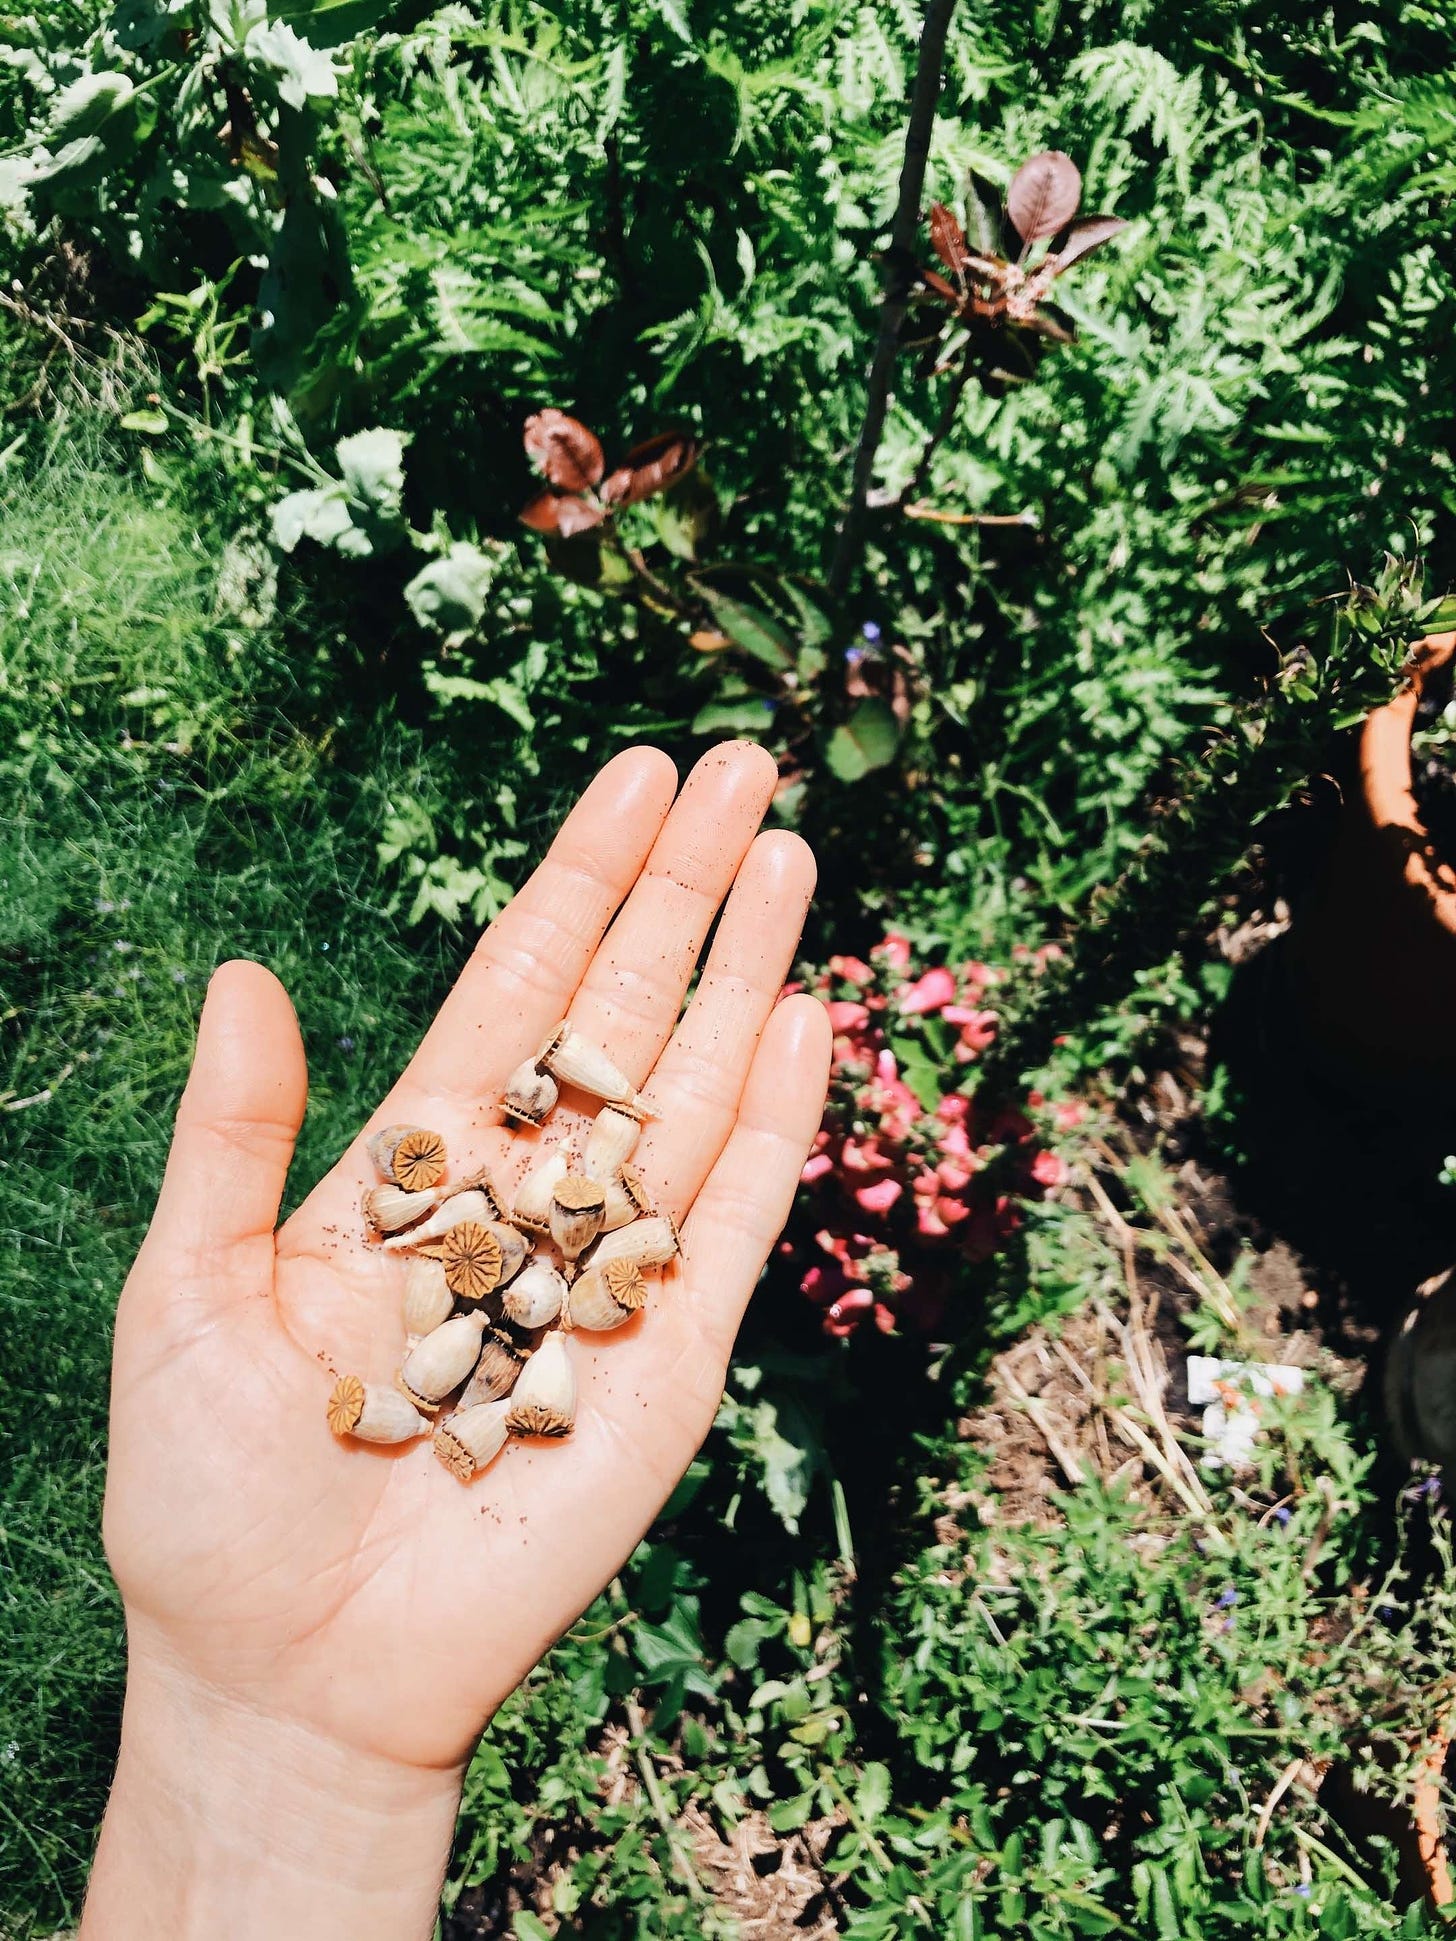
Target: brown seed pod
x=578, y=1207
x=530, y=1095
x=534, y=1297
x=497, y=1371
x=627, y=1200
x=472, y=1259
x=427, y=1300
x=412, y=1156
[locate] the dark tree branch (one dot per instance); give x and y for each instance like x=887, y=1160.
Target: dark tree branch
x=899, y=277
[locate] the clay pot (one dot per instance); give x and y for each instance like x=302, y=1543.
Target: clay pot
x=1372, y=952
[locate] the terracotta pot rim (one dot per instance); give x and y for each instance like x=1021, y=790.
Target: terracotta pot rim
x=1385, y=775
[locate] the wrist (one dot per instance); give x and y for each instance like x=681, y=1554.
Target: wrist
x=229, y=1823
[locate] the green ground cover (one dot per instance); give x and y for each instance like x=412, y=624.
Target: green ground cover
x=282, y=674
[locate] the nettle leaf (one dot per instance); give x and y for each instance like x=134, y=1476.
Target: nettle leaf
x=688, y=516
x=1044, y=194
x=372, y=463
x=569, y=454
x=448, y=595
x=83, y=109
x=650, y=467
x=301, y=72
x=320, y=514
x=867, y=741
x=1085, y=236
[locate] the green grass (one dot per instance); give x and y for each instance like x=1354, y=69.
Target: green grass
x=161, y=815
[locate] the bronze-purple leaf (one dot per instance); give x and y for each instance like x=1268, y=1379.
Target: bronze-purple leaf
x=562, y=513
x=650, y=468
x=947, y=238
x=1044, y=194
x=569, y=454
x=1085, y=236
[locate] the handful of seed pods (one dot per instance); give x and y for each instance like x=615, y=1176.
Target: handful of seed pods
x=485, y=1309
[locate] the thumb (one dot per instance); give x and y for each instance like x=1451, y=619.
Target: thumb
x=237, y=1122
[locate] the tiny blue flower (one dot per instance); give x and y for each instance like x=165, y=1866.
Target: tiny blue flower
x=769, y=708
x=1226, y=1598
x=1304, y=1890
x=853, y=656
x=870, y=630
x=346, y=1043
x=1283, y=1514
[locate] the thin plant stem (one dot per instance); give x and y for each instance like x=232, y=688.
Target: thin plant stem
x=899, y=275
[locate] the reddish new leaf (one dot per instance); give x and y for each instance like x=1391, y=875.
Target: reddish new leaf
x=1085, y=236
x=569, y=454
x=1044, y=194
x=948, y=238
x=561, y=513
x=934, y=281
x=650, y=468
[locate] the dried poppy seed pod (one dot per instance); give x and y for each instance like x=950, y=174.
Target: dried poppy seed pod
x=442, y=1360
x=412, y=1156
x=532, y=1205
x=471, y=1204
x=472, y=1438
x=427, y=1299
x=627, y=1200
x=497, y=1371
x=472, y=1259
x=646, y=1243
x=611, y=1142
x=373, y=1414
x=578, y=1206
x=534, y=1297
x=543, y=1402
x=567, y=1054
x=388, y=1209
x=530, y=1095
x=604, y=1297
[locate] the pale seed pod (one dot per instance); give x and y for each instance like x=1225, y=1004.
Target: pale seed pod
x=389, y=1208
x=471, y=1204
x=578, y=1205
x=627, y=1200
x=531, y=1207
x=442, y=1360
x=427, y=1299
x=534, y=1297
x=604, y=1297
x=530, y=1095
x=570, y=1058
x=611, y=1142
x=411, y=1156
x=472, y=1438
x=543, y=1402
x=497, y=1371
x=373, y=1414
x=646, y=1243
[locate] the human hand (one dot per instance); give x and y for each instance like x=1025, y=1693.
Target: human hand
x=352, y=1610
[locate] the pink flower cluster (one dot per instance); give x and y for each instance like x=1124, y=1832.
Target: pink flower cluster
x=898, y=1191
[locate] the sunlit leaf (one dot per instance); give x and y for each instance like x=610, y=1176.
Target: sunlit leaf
x=867, y=741
x=1044, y=194
x=1085, y=236
x=947, y=238
x=569, y=454
x=650, y=468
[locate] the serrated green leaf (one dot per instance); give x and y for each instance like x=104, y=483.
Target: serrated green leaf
x=750, y=628
x=301, y=72
x=372, y=463
x=448, y=595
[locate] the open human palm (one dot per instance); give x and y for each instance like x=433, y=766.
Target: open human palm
x=361, y=1592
